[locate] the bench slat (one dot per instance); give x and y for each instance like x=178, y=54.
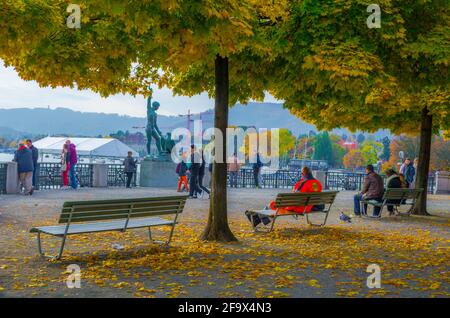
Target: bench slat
x=102, y=210
x=304, y=198
x=58, y=230
x=97, y=217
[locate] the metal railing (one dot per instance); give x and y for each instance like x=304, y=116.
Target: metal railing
x=117, y=177
x=49, y=175
x=354, y=181
x=3, y=169
x=275, y=179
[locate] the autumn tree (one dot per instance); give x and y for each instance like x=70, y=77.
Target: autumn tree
x=371, y=151
x=334, y=71
x=440, y=154
x=353, y=159
x=322, y=147
x=124, y=46
x=386, y=150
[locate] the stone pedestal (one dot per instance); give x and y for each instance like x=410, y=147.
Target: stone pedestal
x=100, y=175
x=320, y=176
x=442, y=182
x=158, y=174
x=12, y=178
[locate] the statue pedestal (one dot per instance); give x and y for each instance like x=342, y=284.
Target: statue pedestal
x=158, y=174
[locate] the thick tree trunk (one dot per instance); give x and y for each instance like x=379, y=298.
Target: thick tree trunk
x=217, y=228
x=424, y=162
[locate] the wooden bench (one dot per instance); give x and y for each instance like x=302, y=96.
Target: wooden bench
x=80, y=217
x=394, y=197
x=284, y=200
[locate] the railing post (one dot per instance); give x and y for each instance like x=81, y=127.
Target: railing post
x=12, y=178
x=442, y=182
x=99, y=175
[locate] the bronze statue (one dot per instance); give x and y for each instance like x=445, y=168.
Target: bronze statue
x=164, y=145
x=152, y=129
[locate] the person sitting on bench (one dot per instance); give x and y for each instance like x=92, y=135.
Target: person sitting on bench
x=393, y=181
x=307, y=183
x=373, y=189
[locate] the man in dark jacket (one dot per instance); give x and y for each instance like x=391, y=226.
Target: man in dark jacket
x=373, y=189
x=409, y=172
x=256, y=170
x=201, y=174
x=35, y=153
x=24, y=159
x=129, y=167
x=194, y=169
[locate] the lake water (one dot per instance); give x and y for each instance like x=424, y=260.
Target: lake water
x=6, y=157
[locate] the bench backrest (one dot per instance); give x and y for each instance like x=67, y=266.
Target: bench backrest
x=401, y=194
x=304, y=198
x=102, y=210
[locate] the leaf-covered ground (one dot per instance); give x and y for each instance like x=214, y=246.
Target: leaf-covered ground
x=294, y=261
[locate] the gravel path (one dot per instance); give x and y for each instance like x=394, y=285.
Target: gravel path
x=209, y=269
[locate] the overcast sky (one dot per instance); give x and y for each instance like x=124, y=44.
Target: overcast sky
x=17, y=93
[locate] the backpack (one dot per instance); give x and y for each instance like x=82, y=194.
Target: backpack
x=177, y=170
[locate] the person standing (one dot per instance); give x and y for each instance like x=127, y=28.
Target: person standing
x=201, y=175
x=409, y=172
x=130, y=165
x=35, y=154
x=24, y=159
x=73, y=161
x=194, y=169
x=373, y=189
x=65, y=165
x=182, y=180
x=256, y=170
x=233, y=168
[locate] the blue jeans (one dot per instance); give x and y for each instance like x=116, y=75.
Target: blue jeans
x=34, y=175
x=357, y=205
x=73, y=179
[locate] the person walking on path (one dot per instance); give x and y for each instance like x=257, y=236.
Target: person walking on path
x=409, y=172
x=233, y=168
x=35, y=153
x=182, y=180
x=201, y=175
x=65, y=165
x=256, y=170
x=24, y=159
x=373, y=189
x=130, y=167
x=194, y=169
x=73, y=161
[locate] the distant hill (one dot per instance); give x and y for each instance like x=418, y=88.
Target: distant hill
x=9, y=133
x=68, y=122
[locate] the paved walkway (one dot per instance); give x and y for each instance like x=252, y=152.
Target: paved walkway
x=293, y=261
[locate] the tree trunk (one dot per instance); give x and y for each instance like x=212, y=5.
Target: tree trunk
x=424, y=162
x=217, y=228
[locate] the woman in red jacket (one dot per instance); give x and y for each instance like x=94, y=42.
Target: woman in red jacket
x=306, y=184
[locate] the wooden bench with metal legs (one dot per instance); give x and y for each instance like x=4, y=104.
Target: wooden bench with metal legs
x=284, y=200
x=394, y=197
x=81, y=217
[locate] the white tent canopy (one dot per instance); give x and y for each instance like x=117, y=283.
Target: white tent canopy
x=86, y=147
